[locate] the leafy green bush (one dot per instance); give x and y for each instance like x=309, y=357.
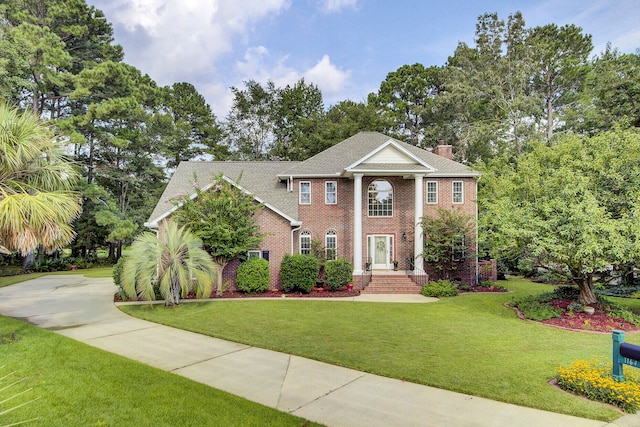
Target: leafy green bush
x=464, y=287
x=117, y=277
x=533, y=309
x=253, y=276
x=439, y=289
x=299, y=272
x=623, y=313
x=339, y=273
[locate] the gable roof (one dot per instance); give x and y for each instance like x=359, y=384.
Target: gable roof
x=259, y=179
x=370, y=153
x=352, y=155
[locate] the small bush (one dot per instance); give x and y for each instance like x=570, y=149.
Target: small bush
x=339, y=273
x=253, y=276
x=464, y=287
x=117, y=277
x=623, y=313
x=593, y=380
x=299, y=272
x=532, y=309
x=439, y=289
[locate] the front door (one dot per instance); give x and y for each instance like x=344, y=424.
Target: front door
x=380, y=251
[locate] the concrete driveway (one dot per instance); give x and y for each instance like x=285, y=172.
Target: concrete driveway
x=82, y=308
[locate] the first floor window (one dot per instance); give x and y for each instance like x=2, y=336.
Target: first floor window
x=305, y=242
x=305, y=192
x=458, y=248
x=253, y=254
x=331, y=245
x=458, y=192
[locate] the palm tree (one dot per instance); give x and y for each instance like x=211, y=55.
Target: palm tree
x=37, y=201
x=174, y=261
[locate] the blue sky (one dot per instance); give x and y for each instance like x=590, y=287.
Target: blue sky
x=346, y=47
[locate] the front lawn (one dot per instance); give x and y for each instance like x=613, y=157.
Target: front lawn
x=470, y=343
x=78, y=385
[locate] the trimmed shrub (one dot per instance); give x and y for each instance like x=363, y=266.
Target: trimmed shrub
x=299, y=272
x=339, y=273
x=253, y=276
x=439, y=289
x=117, y=277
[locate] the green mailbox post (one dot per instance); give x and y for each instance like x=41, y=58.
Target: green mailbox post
x=623, y=354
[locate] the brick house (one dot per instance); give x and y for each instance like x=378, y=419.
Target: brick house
x=362, y=199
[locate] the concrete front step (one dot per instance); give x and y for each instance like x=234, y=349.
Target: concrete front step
x=391, y=284
x=391, y=290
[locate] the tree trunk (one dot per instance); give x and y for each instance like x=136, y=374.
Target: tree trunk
x=587, y=295
x=221, y=263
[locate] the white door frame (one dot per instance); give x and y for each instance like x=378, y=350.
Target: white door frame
x=381, y=257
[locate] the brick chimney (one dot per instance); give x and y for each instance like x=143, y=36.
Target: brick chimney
x=444, y=150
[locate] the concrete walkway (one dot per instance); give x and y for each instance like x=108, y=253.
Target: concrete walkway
x=82, y=309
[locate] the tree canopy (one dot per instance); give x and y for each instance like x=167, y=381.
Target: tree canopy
x=573, y=204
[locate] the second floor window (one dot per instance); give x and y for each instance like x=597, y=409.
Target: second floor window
x=331, y=192
x=432, y=192
x=458, y=192
x=380, y=195
x=305, y=192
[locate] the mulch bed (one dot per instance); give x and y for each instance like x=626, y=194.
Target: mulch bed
x=599, y=322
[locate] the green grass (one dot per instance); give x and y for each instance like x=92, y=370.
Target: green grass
x=90, y=272
x=78, y=385
x=470, y=343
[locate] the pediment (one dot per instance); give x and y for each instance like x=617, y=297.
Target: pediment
x=390, y=155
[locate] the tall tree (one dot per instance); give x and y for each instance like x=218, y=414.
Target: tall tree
x=48, y=42
x=560, y=56
x=572, y=205
x=406, y=97
x=112, y=135
x=223, y=217
x=297, y=111
x=186, y=126
x=611, y=93
x=249, y=126
x=37, y=202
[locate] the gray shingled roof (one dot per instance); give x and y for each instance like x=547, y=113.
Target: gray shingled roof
x=260, y=179
x=334, y=160
x=263, y=179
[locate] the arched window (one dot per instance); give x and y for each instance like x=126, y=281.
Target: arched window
x=305, y=242
x=331, y=245
x=380, y=198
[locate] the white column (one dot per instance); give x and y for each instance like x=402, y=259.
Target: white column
x=418, y=242
x=357, y=224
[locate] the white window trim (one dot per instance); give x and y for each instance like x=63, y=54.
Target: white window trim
x=393, y=200
x=453, y=192
x=334, y=234
x=436, y=192
x=305, y=233
x=300, y=193
x=254, y=251
x=326, y=193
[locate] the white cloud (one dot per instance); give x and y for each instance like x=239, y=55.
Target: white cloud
x=329, y=78
x=330, y=6
x=258, y=65
x=170, y=36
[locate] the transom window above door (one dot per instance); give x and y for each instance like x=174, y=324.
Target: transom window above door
x=380, y=196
